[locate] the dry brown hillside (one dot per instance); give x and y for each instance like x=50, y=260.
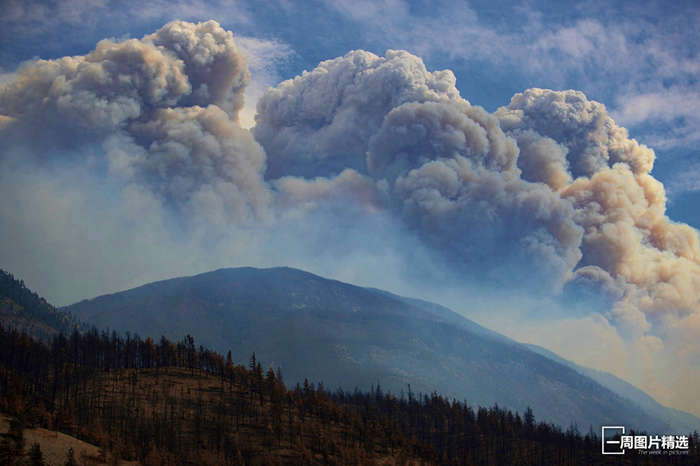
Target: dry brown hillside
x=179, y=404
x=55, y=445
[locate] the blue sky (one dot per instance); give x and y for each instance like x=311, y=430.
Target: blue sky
x=105, y=218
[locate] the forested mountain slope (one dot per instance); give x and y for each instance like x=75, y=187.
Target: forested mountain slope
x=23, y=309
x=170, y=403
x=349, y=336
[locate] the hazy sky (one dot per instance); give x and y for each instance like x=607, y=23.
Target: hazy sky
x=135, y=151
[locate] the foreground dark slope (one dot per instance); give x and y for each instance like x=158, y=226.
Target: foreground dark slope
x=351, y=337
x=171, y=404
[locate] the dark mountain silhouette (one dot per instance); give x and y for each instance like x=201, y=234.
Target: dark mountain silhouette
x=349, y=336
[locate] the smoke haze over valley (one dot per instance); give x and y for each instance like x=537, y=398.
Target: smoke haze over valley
x=185, y=144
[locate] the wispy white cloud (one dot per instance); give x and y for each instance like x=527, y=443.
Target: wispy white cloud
x=455, y=31
x=368, y=10
x=661, y=105
x=670, y=114
x=686, y=180
x=33, y=15
x=24, y=18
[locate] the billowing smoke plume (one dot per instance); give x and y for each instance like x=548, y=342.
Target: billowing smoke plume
x=320, y=123
x=164, y=108
x=364, y=156
x=216, y=72
x=548, y=192
x=198, y=155
x=550, y=180
x=451, y=173
x=629, y=247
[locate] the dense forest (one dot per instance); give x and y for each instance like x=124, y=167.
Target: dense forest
x=176, y=403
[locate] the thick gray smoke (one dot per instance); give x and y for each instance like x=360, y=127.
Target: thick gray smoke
x=198, y=156
x=451, y=173
x=319, y=123
x=216, y=71
x=164, y=109
x=441, y=165
x=651, y=264
x=365, y=163
x=548, y=192
x=550, y=180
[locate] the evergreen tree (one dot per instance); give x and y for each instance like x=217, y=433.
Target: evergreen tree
x=102, y=383
x=529, y=418
x=36, y=457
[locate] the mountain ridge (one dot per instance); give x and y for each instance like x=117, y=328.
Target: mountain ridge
x=351, y=336
x=25, y=310
x=681, y=421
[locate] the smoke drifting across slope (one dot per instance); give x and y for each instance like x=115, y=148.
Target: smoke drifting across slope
x=130, y=161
